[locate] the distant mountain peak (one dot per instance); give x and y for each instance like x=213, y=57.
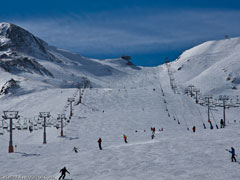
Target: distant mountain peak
x=18, y=39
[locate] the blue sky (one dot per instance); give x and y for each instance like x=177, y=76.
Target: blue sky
x=148, y=30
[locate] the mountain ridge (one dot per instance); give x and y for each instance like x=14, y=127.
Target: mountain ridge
x=23, y=54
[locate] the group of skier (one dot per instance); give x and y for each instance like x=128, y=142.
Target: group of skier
x=153, y=129
x=222, y=125
x=100, y=141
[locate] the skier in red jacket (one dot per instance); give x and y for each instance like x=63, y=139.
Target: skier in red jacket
x=125, y=138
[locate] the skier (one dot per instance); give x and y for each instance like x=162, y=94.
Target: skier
x=211, y=126
x=152, y=136
x=100, y=143
x=125, y=138
x=233, y=154
x=221, y=123
x=30, y=129
x=63, y=171
x=194, y=129
x=153, y=132
x=75, y=149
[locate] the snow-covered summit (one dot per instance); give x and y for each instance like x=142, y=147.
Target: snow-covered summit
x=212, y=66
x=15, y=38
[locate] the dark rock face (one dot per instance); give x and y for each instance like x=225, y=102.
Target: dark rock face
x=128, y=59
x=20, y=49
x=9, y=86
x=22, y=41
x=18, y=64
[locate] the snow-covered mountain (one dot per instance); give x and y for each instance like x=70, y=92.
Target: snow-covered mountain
x=125, y=99
x=213, y=66
x=31, y=59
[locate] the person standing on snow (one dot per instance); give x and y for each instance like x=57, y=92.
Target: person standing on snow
x=63, y=171
x=75, y=149
x=233, y=154
x=100, y=143
x=154, y=129
x=125, y=138
x=221, y=123
x=194, y=129
x=211, y=126
x=153, y=132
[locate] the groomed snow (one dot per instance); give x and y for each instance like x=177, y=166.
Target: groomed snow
x=129, y=104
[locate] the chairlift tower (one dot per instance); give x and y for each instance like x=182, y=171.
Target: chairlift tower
x=44, y=115
x=10, y=115
x=224, y=98
x=191, y=89
x=207, y=99
x=70, y=100
x=197, y=91
x=62, y=117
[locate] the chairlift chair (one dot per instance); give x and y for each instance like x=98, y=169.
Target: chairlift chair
x=35, y=127
x=5, y=125
x=17, y=125
x=1, y=131
x=25, y=126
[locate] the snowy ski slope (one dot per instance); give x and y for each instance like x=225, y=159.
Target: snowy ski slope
x=129, y=105
x=124, y=100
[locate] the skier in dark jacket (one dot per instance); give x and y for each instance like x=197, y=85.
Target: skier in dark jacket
x=75, y=149
x=63, y=171
x=153, y=132
x=194, y=129
x=233, y=154
x=100, y=143
x=221, y=123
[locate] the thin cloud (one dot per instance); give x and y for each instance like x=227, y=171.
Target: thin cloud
x=146, y=31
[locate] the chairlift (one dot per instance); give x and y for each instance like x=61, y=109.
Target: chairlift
x=17, y=125
x=35, y=127
x=25, y=126
x=1, y=131
x=57, y=126
x=5, y=125
x=48, y=124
